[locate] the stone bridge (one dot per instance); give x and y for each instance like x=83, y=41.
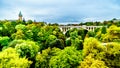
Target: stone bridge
x=65, y=28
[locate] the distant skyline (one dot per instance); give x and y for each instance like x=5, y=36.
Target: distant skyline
x=57, y=11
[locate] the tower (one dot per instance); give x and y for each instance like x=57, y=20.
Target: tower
x=20, y=15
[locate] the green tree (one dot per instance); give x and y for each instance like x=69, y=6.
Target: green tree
x=29, y=34
x=92, y=46
x=50, y=39
x=91, y=34
x=104, y=30
x=29, y=22
x=20, y=27
x=4, y=41
x=7, y=29
x=27, y=49
x=18, y=35
x=15, y=42
x=42, y=59
x=112, y=54
x=9, y=58
x=90, y=62
x=67, y=58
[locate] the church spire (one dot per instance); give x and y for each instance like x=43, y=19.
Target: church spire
x=20, y=15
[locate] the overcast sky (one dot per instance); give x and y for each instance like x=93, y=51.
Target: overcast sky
x=61, y=10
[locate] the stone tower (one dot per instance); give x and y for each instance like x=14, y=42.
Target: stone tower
x=20, y=15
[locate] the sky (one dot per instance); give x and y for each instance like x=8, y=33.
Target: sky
x=60, y=11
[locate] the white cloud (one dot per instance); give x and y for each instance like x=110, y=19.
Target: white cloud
x=60, y=10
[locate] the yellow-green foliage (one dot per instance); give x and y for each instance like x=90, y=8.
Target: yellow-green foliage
x=10, y=59
x=18, y=35
x=113, y=34
x=92, y=45
x=94, y=52
x=112, y=58
x=90, y=62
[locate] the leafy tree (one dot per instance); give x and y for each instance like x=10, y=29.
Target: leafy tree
x=68, y=42
x=29, y=34
x=91, y=33
x=9, y=58
x=50, y=39
x=78, y=44
x=82, y=33
x=112, y=54
x=4, y=41
x=7, y=29
x=42, y=59
x=29, y=22
x=67, y=58
x=15, y=42
x=104, y=30
x=18, y=35
x=74, y=35
x=92, y=46
x=96, y=30
x=59, y=43
x=90, y=62
x=20, y=27
x=112, y=34
x=27, y=49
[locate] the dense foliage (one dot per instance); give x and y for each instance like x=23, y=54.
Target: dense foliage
x=28, y=44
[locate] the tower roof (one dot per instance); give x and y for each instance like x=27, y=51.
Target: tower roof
x=20, y=14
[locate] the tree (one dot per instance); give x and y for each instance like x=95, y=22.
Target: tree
x=68, y=42
x=50, y=39
x=67, y=58
x=112, y=54
x=112, y=34
x=78, y=44
x=9, y=58
x=29, y=22
x=43, y=58
x=4, y=41
x=74, y=35
x=29, y=34
x=104, y=30
x=7, y=29
x=27, y=49
x=90, y=62
x=20, y=27
x=92, y=46
x=15, y=42
x=91, y=34
x=59, y=43
x=18, y=35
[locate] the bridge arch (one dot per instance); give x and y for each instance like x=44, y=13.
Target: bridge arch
x=64, y=29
